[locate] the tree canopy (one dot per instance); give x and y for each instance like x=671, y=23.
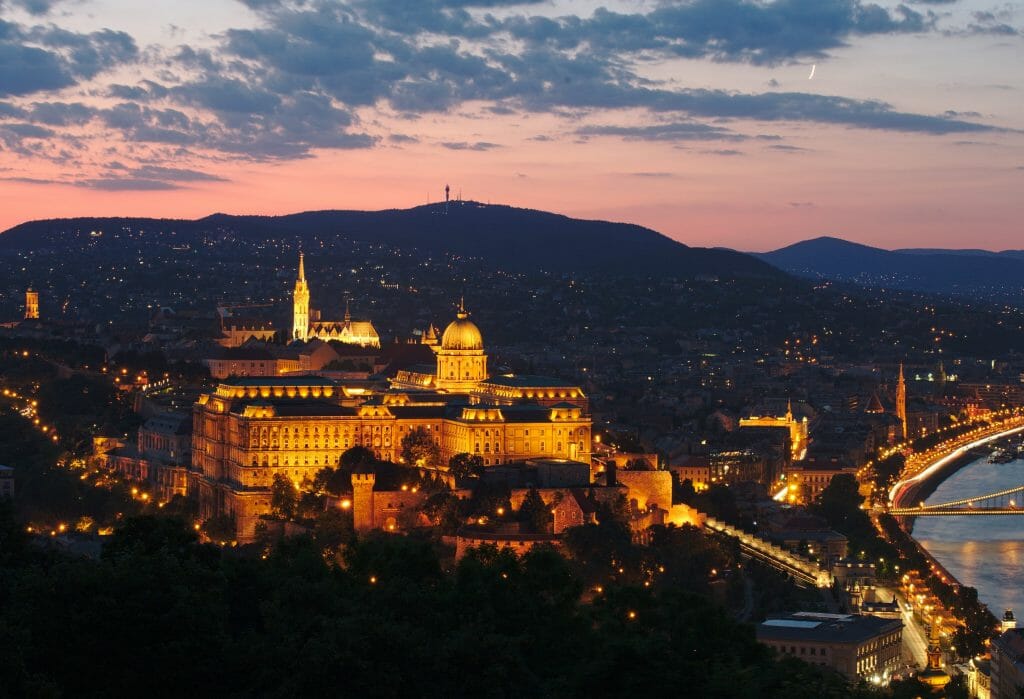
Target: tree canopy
x=419, y=448
x=220, y=622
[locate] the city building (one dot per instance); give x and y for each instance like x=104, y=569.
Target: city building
x=807, y=483
x=31, y=305
x=507, y=536
x=1007, y=679
x=797, y=429
x=6, y=482
x=159, y=458
x=258, y=359
x=250, y=429
x=979, y=678
x=859, y=647
x=241, y=361
x=236, y=330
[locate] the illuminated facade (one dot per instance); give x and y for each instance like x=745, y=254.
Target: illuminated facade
x=461, y=361
x=250, y=429
x=306, y=322
x=31, y=305
x=797, y=429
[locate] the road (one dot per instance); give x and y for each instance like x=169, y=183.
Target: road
x=915, y=641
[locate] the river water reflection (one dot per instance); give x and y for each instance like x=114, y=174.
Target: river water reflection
x=983, y=552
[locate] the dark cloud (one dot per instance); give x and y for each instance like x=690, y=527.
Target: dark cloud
x=174, y=174
x=991, y=23
x=800, y=106
x=724, y=151
x=652, y=174
x=32, y=180
x=46, y=58
x=402, y=138
x=725, y=30
x=61, y=113
x=33, y=7
x=27, y=69
x=463, y=145
x=25, y=130
x=146, y=178
x=126, y=184
x=8, y=111
x=144, y=90
x=676, y=131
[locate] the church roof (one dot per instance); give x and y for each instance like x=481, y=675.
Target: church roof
x=357, y=328
x=875, y=404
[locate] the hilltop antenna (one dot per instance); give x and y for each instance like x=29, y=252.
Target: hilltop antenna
x=447, y=189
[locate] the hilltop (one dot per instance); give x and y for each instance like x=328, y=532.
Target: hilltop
x=512, y=238
x=971, y=273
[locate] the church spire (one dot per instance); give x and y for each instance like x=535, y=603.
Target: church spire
x=300, y=304
x=901, y=401
x=348, y=316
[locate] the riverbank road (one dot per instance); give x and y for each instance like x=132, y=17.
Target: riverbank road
x=915, y=641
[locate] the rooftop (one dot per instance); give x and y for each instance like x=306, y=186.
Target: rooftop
x=528, y=381
x=279, y=381
x=838, y=628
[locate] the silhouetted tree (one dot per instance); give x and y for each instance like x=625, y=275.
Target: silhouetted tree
x=358, y=460
x=283, y=498
x=533, y=513
x=464, y=465
x=419, y=447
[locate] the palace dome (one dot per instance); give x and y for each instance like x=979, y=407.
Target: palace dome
x=462, y=334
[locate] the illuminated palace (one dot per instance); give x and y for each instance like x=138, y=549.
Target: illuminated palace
x=306, y=323
x=249, y=429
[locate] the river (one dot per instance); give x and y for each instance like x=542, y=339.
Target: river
x=984, y=552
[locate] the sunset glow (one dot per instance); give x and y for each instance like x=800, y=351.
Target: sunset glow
x=696, y=119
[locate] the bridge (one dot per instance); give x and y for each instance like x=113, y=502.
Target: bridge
x=1004, y=502
x=803, y=571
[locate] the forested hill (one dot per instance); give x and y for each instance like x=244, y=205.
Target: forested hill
x=511, y=238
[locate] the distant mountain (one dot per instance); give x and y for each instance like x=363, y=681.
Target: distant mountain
x=1016, y=254
x=511, y=238
x=973, y=273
